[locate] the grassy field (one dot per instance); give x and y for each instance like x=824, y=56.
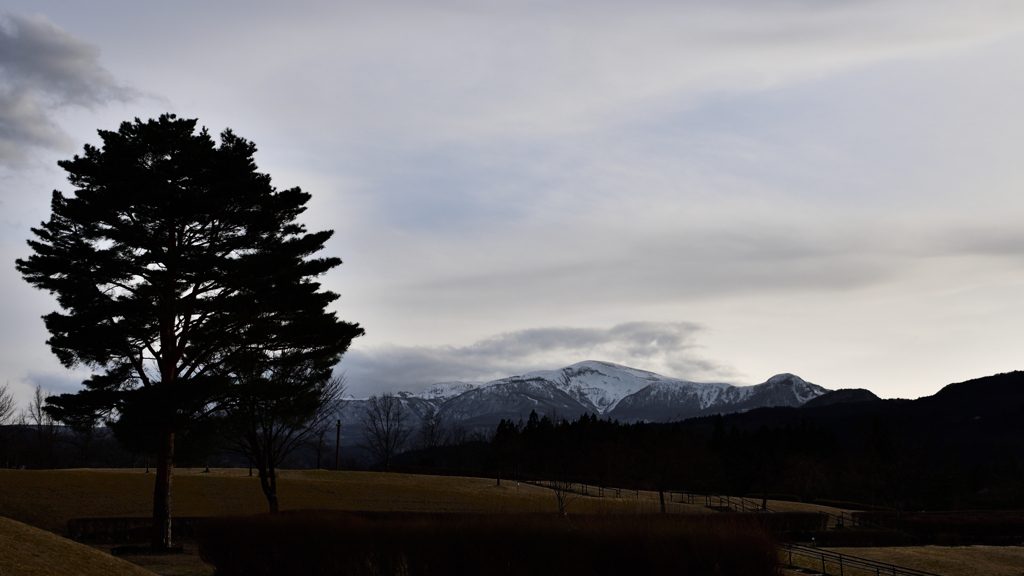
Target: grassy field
x=47, y=499
x=28, y=551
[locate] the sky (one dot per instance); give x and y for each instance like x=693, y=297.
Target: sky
x=714, y=191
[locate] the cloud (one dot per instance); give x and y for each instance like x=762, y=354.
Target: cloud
x=44, y=68
x=56, y=382
x=668, y=348
x=447, y=71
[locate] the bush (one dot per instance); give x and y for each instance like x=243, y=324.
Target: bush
x=338, y=543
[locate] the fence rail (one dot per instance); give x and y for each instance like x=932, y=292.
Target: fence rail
x=583, y=489
x=718, y=501
x=843, y=564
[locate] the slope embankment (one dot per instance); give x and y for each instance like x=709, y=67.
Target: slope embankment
x=29, y=551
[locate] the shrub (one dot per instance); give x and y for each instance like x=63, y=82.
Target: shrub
x=371, y=544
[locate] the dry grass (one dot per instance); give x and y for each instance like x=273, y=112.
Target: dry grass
x=945, y=560
x=784, y=506
x=30, y=551
x=949, y=560
x=29, y=495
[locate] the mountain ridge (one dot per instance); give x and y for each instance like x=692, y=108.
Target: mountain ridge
x=606, y=389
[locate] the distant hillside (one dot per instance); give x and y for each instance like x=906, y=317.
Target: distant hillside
x=975, y=419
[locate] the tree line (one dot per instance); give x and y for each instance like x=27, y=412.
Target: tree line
x=878, y=463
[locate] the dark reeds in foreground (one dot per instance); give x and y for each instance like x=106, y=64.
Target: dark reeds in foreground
x=338, y=543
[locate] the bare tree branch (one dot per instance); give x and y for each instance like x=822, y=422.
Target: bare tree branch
x=385, y=427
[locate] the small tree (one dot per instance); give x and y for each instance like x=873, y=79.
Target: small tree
x=385, y=427
x=564, y=494
x=275, y=414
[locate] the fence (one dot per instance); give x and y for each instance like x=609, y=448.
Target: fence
x=844, y=564
x=713, y=501
x=719, y=502
x=583, y=489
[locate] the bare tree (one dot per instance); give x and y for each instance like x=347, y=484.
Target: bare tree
x=432, y=433
x=272, y=419
x=7, y=404
x=45, y=427
x=318, y=439
x=8, y=411
x=385, y=427
x=564, y=494
x=34, y=413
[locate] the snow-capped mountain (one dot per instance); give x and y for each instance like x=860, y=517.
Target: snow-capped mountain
x=609, y=390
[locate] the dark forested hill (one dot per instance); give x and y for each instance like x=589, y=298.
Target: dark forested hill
x=972, y=418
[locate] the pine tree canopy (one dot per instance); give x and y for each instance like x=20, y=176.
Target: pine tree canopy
x=177, y=266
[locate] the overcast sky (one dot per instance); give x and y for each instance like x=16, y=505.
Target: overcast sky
x=717, y=191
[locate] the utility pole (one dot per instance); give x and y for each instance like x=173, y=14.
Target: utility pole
x=337, y=447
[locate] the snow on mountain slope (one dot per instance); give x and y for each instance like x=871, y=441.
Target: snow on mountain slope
x=599, y=386
x=511, y=399
x=446, y=390
x=678, y=400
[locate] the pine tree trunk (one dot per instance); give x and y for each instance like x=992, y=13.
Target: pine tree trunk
x=162, y=494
